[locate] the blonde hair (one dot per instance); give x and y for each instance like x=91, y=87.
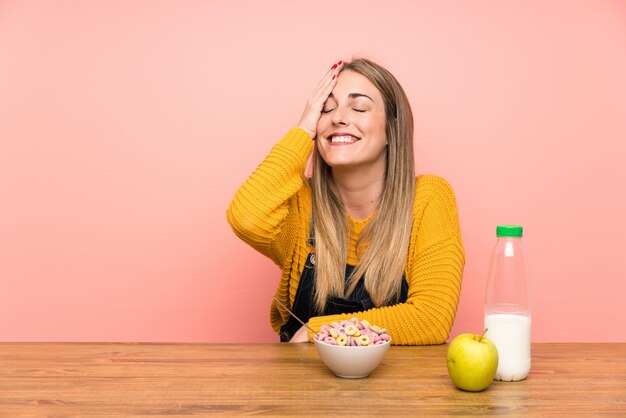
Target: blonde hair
x=386, y=237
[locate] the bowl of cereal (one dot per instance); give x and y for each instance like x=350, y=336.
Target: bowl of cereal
x=352, y=348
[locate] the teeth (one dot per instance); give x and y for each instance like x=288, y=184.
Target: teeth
x=342, y=139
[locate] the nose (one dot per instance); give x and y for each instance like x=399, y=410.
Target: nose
x=339, y=117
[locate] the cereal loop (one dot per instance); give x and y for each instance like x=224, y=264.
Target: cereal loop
x=330, y=340
x=351, y=329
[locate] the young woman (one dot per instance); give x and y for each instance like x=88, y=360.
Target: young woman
x=362, y=236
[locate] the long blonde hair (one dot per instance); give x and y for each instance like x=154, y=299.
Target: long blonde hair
x=387, y=235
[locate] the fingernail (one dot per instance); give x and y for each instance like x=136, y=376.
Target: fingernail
x=333, y=77
x=340, y=62
x=333, y=67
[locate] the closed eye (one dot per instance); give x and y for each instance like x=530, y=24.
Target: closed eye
x=327, y=110
x=359, y=110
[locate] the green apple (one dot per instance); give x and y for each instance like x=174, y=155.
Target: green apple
x=472, y=361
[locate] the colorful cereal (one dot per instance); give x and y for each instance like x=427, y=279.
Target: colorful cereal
x=352, y=333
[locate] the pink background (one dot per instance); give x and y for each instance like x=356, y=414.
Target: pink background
x=126, y=127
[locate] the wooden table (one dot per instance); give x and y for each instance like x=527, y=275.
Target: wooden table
x=290, y=380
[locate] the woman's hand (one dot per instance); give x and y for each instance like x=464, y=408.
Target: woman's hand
x=301, y=336
x=315, y=104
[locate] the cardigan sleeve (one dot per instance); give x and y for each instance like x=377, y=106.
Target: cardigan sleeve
x=259, y=209
x=434, y=272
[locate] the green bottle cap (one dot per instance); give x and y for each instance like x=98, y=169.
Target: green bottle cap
x=509, y=231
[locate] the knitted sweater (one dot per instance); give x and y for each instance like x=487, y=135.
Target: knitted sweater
x=272, y=212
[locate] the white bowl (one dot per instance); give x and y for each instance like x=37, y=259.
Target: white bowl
x=350, y=361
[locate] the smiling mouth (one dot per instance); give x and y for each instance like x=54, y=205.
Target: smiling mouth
x=342, y=139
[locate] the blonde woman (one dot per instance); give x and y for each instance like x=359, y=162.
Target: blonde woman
x=362, y=236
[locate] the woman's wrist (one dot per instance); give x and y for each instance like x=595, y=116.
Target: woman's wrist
x=308, y=131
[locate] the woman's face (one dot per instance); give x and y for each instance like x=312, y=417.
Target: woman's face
x=351, y=129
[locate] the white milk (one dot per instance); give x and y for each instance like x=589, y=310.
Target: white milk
x=511, y=335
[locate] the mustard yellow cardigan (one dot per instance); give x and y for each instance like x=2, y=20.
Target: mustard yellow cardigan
x=272, y=211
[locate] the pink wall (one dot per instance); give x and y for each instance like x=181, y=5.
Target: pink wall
x=126, y=126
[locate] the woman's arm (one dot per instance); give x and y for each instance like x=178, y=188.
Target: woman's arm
x=260, y=207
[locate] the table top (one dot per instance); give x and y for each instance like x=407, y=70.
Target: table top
x=290, y=380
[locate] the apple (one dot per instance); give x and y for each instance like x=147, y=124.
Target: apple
x=472, y=361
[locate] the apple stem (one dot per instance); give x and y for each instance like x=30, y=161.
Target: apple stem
x=482, y=335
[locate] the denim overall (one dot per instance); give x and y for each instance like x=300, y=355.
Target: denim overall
x=303, y=304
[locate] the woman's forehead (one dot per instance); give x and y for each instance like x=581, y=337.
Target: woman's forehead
x=353, y=85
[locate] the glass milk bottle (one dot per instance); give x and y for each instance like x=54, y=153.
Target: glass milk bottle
x=507, y=305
